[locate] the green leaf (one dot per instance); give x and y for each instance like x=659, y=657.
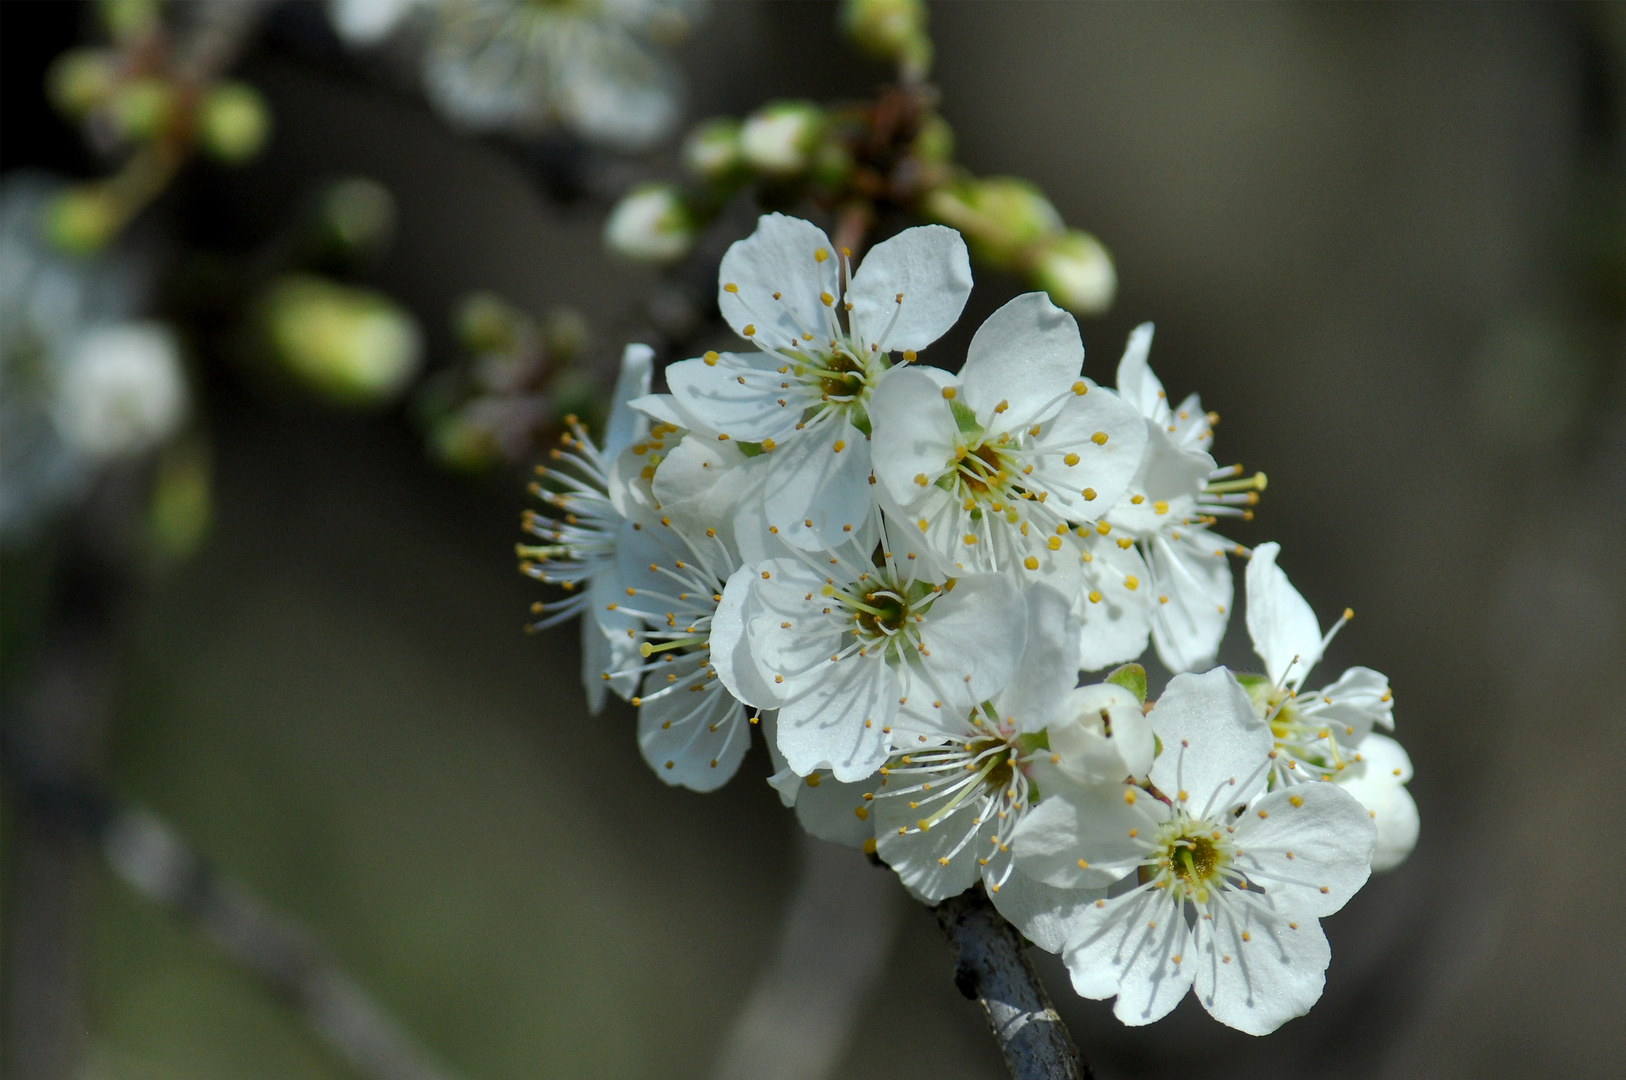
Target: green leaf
x=749, y=449
x=1131, y=677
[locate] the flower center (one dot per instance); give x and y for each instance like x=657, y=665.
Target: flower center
x=1190, y=856
x=884, y=612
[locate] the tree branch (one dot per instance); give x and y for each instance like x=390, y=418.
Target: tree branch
x=991, y=966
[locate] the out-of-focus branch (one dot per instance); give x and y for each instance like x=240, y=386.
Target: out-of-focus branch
x=991, y=966
x=152, y=859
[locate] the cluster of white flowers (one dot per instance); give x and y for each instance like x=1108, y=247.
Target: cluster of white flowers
x=900, y=573
x=596, y=67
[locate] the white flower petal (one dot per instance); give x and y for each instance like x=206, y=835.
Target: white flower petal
x=1127, y=946
x=1078, y=837
x=749, y=411
x=917, y=855
x=811, y=480
x=780, y=257
x=1213, y=741
x=1188, y=628
x=1280, y=621
x=626, y=424
x=828, y=809
x=1043, y=913
x=1258, y=983
x=1101, y=735
x=1025, y=354
x=1135, y=380
x=914, y=433
x=837, y=722
x=1308, y=845
x=1105, y=439
x=974, y=636
x=1360, y=697
x=929, y=267
x=1046, y=674
x=1168, y=481
x=701, y=482
x=1378, y=781
x=1115, y=621
x=731, y=645
x=694, y=734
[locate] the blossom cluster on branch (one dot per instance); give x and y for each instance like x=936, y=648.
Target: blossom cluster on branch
x=898, y=573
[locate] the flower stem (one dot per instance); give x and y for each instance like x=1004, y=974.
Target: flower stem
x=991, y=966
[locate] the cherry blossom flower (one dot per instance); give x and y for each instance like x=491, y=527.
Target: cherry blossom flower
x=1326, y=734
x=842, y=645
x=824, y=334
x=1226, y=887
x=1175, y=495
x=580, y=537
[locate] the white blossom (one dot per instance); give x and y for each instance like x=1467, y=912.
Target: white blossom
x=1175, y=495
x=1326, y=734
x=600, y=69
x=580, y=536
x=1007, y=466
x=1225, y=887
x=121, y=391
x=842, y=645
x=823, y=336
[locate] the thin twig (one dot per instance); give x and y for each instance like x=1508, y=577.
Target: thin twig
x=991, y=966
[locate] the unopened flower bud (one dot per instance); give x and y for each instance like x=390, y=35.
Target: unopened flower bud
x=357, y=216
x=889, y=30
x=82, y=219
x=934, y=142
x=353, y=346
x=832, y=165
x=712, y=149
x=1001, y=217
x=140, y=108
x=79, y=80
x=486, y=323
x=233, y=122
x=122, y=390
x=1077, y=272
x=779, y=138
x=130, y=20
x=650, y=224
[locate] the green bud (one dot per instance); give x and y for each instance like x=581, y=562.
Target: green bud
x=233, y=122
x=712, y=149
x=832, y=165
x=79, y=80
x=934, y=141
x=130, y=20
x=357, y=216
x=1001, y=217
x=1077, y=272
x=82, y=219
x=487, y=323
x=353, y=346
x=181, y=510
x=779, y=138
x=140, y=108
x=460, y=442
x=892, y=30
x=651, y=224
x=1131, y=677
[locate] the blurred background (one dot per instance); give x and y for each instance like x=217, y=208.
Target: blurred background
x=1386, y=243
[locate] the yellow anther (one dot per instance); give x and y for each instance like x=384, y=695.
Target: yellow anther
x=922, y=524
x=1082, y=865
x=819, y=255
x=970, y=539
x=1349, y=613
x=731, y=287
x=751, y=330
x=711, y=359
x=1099, y=438
x=1160, y=507
x=1296, y=800
x=1054, y=543
x=920, y=478
x=722, y=438
x=948, y=393
x=908, y=356
x=839, y=446
x=1131, y=583
x=1089, y=494
x=1031, y=562
x=1095, y=596
x=1129, y=797
x=1071, y=460
x=827, y=298
x=1081, y=387
x=1002, y=406
x=1102, y=527
x=1125, y=543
